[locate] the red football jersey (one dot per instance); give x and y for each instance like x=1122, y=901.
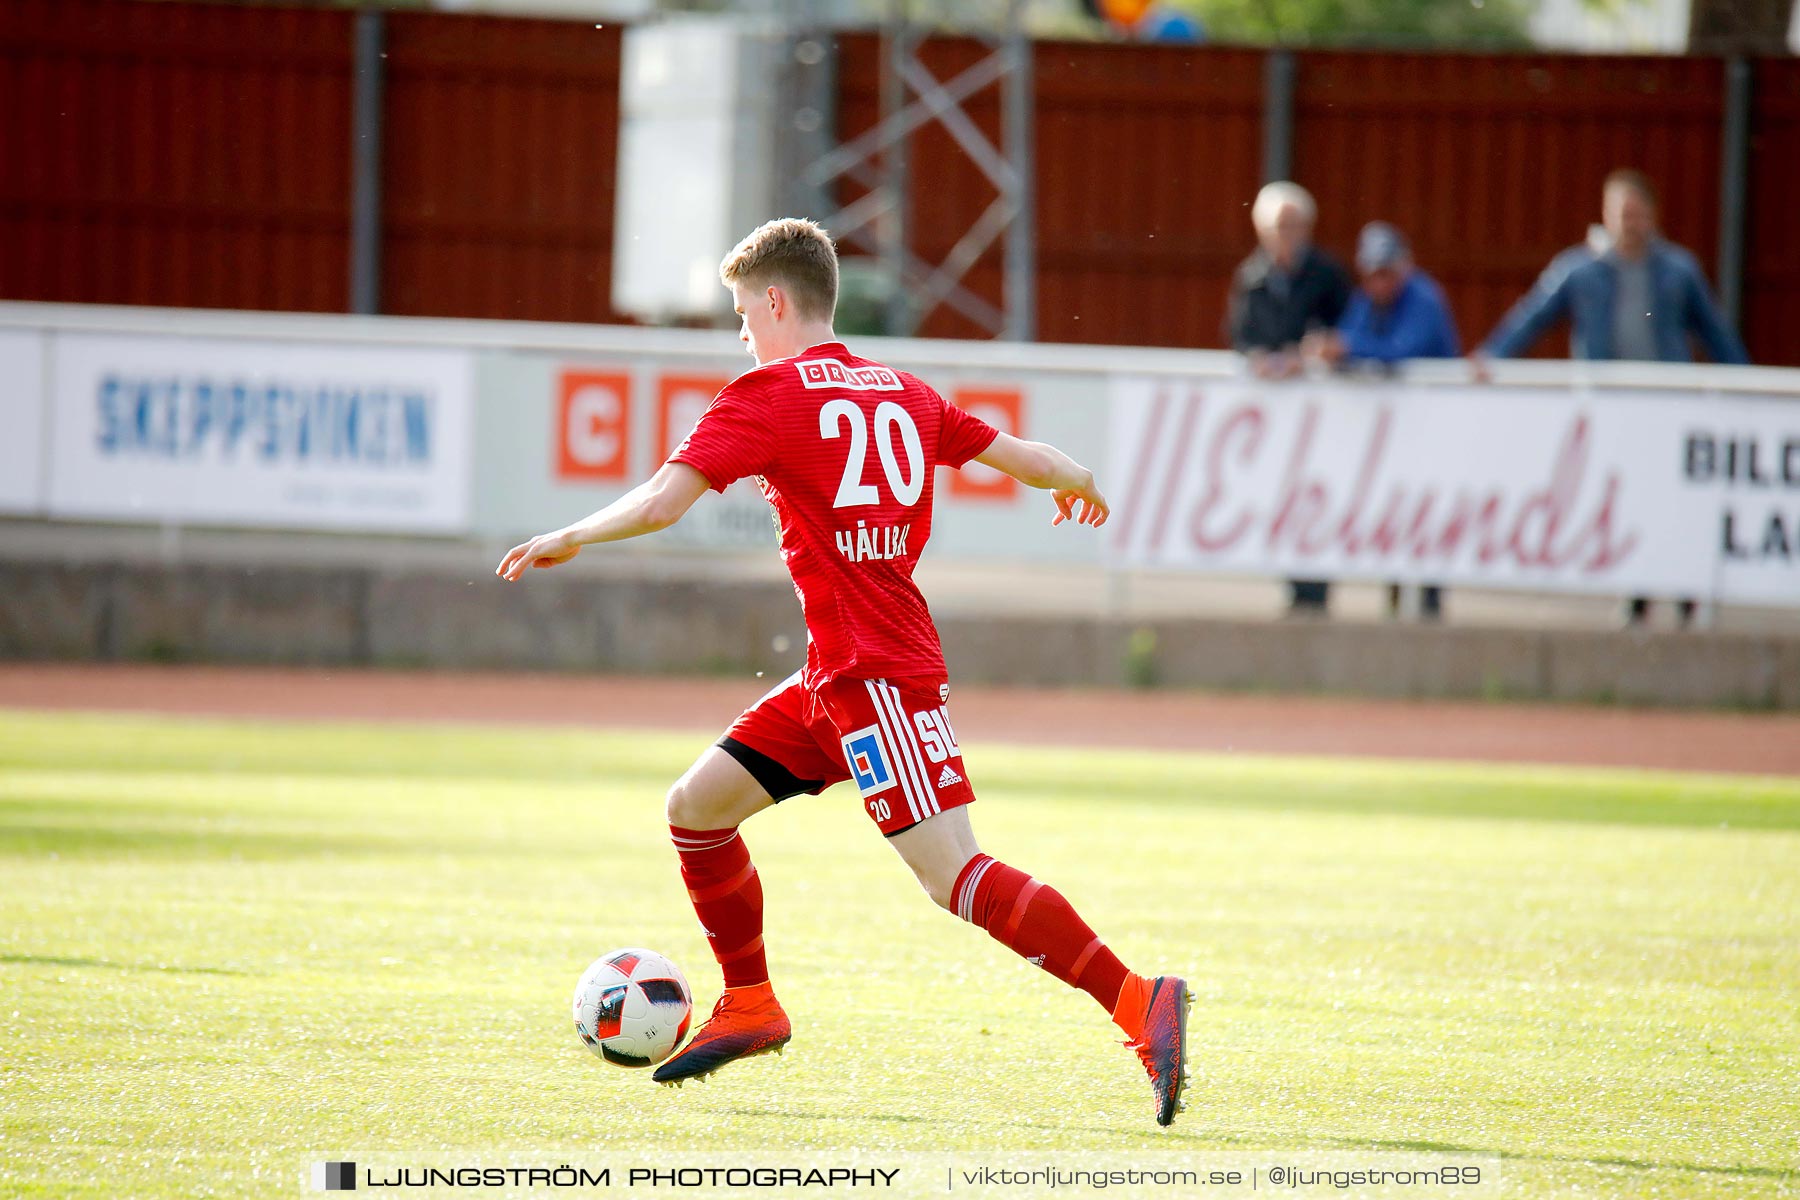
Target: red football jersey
x=846, y=451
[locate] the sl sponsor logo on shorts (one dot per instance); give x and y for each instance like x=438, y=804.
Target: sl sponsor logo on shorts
x=868, y=761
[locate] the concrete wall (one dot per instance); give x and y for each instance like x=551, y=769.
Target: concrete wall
x=410, y=617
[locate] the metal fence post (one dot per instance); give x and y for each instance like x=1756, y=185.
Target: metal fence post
x=365, y=162
x=1734, y=187
x=1278, y=115
x=1021, y=233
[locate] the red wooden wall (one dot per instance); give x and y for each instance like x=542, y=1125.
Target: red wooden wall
x=195, y=154
x=1493, y=164
x=1771, y=323
x=1142, y=165
x=497, y=191
x=174, y=154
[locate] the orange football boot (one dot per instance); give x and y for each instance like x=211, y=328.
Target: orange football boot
x=1159, y=1035
x=746, y=1021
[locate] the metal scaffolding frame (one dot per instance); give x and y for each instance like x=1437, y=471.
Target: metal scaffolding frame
x=911, y=98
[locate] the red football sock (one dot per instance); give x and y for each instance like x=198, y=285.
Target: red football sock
x=1033, y=921
x=728, y=899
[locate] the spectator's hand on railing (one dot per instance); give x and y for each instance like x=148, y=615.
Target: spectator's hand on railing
x=1481, y=368
x=1275, y=364
x=1324, y=346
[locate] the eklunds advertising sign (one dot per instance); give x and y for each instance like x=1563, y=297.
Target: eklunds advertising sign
x=285, y=435
x=1612, y=492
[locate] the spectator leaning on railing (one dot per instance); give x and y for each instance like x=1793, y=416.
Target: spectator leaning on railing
x=1286, y=289
x=1398, y=312
x=1628, y=293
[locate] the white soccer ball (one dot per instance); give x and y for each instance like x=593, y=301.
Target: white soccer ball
x=632, y=1007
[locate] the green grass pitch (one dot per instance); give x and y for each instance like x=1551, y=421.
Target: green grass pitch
x=225, y=946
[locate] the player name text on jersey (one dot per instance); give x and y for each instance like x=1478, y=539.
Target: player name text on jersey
x=882, y=542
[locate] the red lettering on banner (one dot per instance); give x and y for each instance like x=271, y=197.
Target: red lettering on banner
x=1250, y=420
x=680, y=401
x=1551, y=508
x=1536, y=528
x=593, y=426
x=1607, y=553
x=1393, y=532
x=1467, y=511
x=1294, y=496
x=1146, y=459
x=1003, y=408
x=1365, y=479
x=1190, y=413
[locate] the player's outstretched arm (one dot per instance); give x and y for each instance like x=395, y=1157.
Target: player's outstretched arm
x=655, y=504
x=1040, y=465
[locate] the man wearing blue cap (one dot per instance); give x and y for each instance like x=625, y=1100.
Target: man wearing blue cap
x=1399, y=312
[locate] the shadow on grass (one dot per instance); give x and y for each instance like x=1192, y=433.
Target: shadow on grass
x=48, y=960
x=790, y=1115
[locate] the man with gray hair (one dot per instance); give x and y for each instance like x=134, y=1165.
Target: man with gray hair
x=1287, y=288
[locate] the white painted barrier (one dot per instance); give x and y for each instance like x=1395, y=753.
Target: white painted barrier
x=1559, y=477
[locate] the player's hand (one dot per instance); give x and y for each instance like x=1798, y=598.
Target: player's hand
x=545, y=550
x=1083, y=504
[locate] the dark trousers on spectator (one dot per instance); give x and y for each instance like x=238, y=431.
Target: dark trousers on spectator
x=1638, y=611
x=1431, y=601
x=1308, y=595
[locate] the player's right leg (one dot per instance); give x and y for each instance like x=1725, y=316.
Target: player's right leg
x=1034, y=921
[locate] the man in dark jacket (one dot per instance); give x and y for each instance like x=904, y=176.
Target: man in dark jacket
x=1286, y=289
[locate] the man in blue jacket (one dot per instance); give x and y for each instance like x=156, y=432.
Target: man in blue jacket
x=1398, y=312
x=1627, y=295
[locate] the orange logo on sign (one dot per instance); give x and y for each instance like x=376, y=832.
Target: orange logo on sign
x=1003, y=408
x=680, y=399
x=593, y=426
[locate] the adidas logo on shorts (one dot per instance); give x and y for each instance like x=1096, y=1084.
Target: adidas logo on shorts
x=948, y=777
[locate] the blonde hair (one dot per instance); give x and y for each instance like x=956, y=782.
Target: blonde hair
x=793, y=254
x=1279, y=195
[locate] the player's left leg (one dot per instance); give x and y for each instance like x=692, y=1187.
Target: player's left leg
x=767, y=756
x=1033, y=920
x=705, y=808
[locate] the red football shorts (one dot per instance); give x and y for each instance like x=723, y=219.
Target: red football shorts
x=891, y=737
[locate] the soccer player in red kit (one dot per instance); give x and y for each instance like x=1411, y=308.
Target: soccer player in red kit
x=845, y=451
